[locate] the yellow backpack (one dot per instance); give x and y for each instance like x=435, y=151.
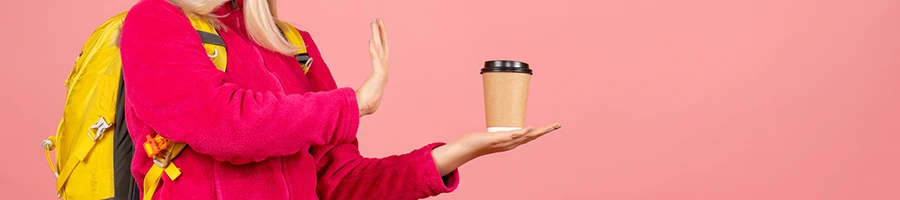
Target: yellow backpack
x=93, y=149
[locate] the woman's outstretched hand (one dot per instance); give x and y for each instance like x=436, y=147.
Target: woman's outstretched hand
x=449, y=157
x=368, y=96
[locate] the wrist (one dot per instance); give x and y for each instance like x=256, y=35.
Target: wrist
x=451, y=156
x=378, y=77
x=463, y=152
x=362, y=109
x=360, y=106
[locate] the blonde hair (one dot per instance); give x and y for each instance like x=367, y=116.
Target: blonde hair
x=260, y=16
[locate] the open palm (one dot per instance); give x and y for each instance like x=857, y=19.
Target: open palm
x=369, y=95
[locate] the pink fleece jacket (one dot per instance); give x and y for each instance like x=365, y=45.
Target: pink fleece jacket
x=260, y=130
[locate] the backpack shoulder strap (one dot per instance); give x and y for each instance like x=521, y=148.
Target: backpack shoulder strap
x=293, y=36
x=162, y=154
x=212, y=42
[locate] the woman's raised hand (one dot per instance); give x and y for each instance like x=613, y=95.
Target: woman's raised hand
x=369, y=94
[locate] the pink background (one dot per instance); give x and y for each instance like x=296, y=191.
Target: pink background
x=691, y=99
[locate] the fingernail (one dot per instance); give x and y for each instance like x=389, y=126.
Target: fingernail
x=530, y=130
x=557, y=127
x=378, y=19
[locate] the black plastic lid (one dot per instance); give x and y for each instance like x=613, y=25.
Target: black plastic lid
x=506, y=66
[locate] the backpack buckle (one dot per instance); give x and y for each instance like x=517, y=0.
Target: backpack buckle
x=164, y=161
x=100, y=126
x=157, y=148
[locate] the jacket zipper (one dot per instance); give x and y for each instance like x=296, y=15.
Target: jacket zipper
x=243, y=31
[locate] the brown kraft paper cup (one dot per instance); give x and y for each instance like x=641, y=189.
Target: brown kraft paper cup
x=506, y=86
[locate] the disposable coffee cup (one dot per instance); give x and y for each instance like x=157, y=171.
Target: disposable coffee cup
x=506, y=85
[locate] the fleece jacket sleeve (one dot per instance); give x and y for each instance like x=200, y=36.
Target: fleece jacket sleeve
x=175, y=88
x=345, y=174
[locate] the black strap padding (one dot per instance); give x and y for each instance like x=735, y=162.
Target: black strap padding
x=282, y=32
x=302, y=58
x=125, y=186
x=211, y=38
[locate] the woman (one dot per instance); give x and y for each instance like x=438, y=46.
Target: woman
x=263, y=129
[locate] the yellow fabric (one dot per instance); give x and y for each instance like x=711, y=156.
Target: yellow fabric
x=81, y=153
